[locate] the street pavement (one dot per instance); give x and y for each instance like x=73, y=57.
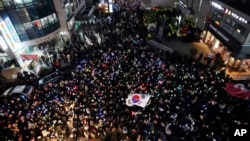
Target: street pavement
x=183, y=48
x=154, y=3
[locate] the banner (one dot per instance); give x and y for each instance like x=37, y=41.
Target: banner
x=98, y=37
x=140, y=100
x=88, y=41
x=238, y=90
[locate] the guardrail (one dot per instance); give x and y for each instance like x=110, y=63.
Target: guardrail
x=161, y=46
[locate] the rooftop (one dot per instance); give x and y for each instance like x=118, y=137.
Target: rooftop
x=241, y=5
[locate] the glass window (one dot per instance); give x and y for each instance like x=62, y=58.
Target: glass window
x=42, y=10
x=50, y=18
x=40, y=32
x=44, y=21
x=228, y=21
x=48, y=7
x=32, y=34
x=8, y=3
x=47, y=30
x=240, y=29
x=23, y=14
x=233, y=24
x=67, y=12
x=16, y=20
x=28, y=25
x=23, y=37
x=27, y=1
x=54, y=26
x=217, y=16
x=32, y=12
x=18, y=2
x=20, y=29
x=55, y=17
x=1, y=5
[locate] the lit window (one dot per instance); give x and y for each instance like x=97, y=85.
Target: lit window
x=17, y=2
x=28, y=1
x=50, y=18
x=28, y=25
x=238, y=30
x=44, y=21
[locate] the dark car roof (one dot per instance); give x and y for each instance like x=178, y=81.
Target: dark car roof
x=49, y=77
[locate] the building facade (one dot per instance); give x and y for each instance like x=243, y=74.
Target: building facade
x=195, y=9
x=225, y=29
x=26, y=26
x=227, y=32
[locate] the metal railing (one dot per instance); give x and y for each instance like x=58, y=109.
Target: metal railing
x=160, y=46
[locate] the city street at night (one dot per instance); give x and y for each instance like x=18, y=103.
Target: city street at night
x=114, y=86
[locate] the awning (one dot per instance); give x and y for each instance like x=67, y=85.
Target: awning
x=29, y=56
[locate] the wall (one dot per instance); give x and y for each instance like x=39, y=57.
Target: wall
x=200, y=13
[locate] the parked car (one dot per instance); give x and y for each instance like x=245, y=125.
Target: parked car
x=53, y=77
x=22, y=92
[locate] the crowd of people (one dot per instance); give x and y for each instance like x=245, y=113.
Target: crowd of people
x=188, y=100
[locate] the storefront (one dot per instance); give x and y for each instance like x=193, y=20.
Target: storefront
x=221, y=42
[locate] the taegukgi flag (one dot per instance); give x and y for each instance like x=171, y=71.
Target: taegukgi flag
x=140, y=100
x=238, y=90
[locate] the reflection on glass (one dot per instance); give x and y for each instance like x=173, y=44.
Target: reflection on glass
x=28, y=25
x=7, y=2
x=23, y=14
x=44, y=21
x=27, y=1
x=67, y=12
x=32, y=12
x=18, y=2
x=1, y=5
x=31, y=33
x=20, y=29
x=50, y=18
x=31, y=18
x=54, y=16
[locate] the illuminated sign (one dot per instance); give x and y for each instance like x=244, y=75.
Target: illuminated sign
x=216, y=5
x=236, y=16
x=110, y=8
x=12, y=29
x=7, y=35
x=2, y=43
x=228, y=12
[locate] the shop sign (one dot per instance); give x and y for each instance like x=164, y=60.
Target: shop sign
x=7, y=35
x=219, y=33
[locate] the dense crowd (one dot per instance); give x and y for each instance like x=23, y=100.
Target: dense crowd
x=188, y=100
